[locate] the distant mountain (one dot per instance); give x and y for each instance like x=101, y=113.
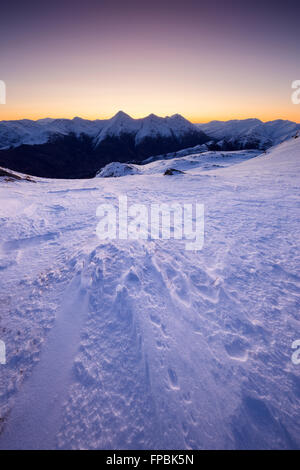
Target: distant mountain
x=249, y=133
x=78, y=148
x=27, y=132
x=174, y=127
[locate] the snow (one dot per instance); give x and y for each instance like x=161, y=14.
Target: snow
x=140, y=344
x=180, y=153
x=116, y=169
x=16, y=133
x=251, y=130
x=151, y=126
x=195, y=161
x=121, y=123
x=228, y=129
x=244, y=132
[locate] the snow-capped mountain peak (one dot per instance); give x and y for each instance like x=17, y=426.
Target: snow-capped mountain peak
x=151, y=126
x=250, y=133
x=47, y=146
x=120, y=123
x=180, y=125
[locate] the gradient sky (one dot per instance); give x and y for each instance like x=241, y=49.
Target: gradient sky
x=205, y=60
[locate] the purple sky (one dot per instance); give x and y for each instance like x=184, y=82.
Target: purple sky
x=205, y=60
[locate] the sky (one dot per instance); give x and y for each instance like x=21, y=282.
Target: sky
x=203, y=59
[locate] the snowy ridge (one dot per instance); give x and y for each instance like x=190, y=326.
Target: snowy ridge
x=180, y=153
x=249, y=132
x=149, y=127
x=120, y=124
x=140, y=344
x=16, y=133
x=196, y=162
x=239, y=133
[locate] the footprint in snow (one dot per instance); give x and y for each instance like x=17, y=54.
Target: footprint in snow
x=237, y=349
x=155, y=319
x=173, y=379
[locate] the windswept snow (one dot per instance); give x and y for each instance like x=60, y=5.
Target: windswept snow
x=141, y=344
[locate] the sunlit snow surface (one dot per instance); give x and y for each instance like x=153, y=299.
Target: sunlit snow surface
x=141, y=344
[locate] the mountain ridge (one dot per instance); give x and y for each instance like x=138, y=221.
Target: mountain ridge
x=249, y=133
x=79, y=148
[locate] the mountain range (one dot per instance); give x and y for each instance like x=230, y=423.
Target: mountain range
x=249, y=133
x=79, y=148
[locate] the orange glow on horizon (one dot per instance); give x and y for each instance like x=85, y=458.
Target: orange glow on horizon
x=189, y=61
x=204, y=118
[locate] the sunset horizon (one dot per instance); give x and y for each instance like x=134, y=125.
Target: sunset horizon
x=205, y=63
x=193, y=120
x=150, y=228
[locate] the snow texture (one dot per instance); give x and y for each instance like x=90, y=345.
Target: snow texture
x=141, y=344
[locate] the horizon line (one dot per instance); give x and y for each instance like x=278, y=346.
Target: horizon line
x=193, y=121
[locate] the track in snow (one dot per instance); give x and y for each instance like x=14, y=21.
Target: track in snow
x=142, y=344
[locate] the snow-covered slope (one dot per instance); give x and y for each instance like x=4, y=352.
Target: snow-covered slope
x=77, y=148
x=139, y=344
x=120, y=124
x=180, y=153
x=251, y=132
x=244, y=132
x=196, y=161
x=16, y=133
x=149, y=127
x=116, y=169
